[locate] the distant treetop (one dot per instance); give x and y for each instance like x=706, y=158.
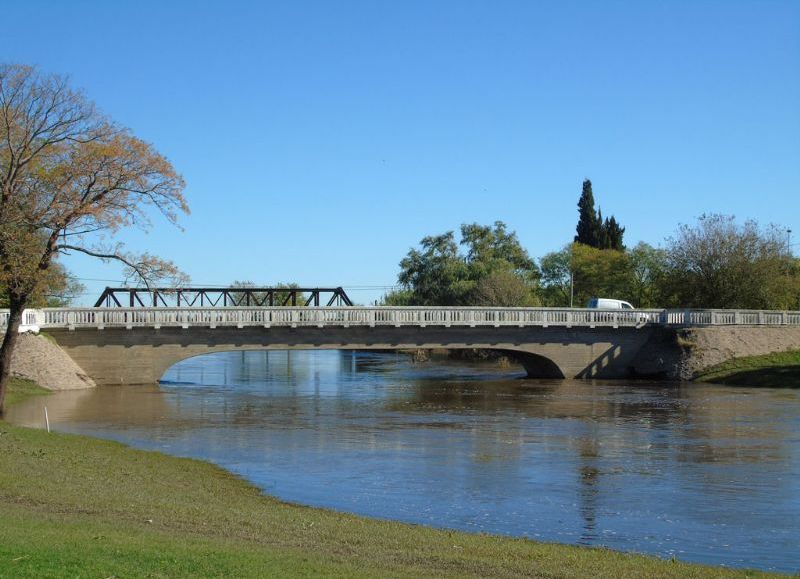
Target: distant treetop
x=592, y=229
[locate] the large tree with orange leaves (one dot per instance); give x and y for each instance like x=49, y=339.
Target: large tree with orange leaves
x=70, y=178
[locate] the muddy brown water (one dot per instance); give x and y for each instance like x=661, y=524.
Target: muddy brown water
x=699, y=472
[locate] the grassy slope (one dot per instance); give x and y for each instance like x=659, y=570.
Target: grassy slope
x=21, y=389
x=72, y=506
x=779, y=370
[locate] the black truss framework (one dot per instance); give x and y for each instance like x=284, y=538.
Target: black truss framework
x=168, y=297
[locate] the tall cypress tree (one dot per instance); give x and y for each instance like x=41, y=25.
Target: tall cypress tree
x=603, y=241
x=588, y=227
x=614, y=234
x=592, y=229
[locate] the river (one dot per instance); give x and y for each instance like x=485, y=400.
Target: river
x=699, y=472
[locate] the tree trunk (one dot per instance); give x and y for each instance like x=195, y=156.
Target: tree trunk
x=7, y=349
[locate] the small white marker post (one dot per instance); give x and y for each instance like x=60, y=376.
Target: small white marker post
x=46, y=419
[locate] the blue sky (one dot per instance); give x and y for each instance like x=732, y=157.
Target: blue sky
x=321, y=140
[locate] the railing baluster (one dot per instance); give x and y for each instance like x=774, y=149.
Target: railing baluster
x=395, y=316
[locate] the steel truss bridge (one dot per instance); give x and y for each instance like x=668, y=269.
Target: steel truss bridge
x=221, y=296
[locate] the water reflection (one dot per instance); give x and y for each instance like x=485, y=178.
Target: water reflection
x=702, y=472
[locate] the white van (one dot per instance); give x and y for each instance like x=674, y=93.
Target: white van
x=608, y=304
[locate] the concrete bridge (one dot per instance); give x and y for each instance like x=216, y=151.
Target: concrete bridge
x=137, y=345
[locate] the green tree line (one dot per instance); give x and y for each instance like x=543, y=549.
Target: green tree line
x=487, y=266
x=716, y=262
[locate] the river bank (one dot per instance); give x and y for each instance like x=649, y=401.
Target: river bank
x=778, y=370
x=73, y=505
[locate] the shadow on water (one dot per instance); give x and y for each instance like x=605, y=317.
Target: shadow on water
x=775, y=377
x=698, y=471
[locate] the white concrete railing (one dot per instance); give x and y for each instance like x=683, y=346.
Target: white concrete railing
x=100, y=318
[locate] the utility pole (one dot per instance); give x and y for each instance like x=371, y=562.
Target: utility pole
x=571, y=287
x=788, y=258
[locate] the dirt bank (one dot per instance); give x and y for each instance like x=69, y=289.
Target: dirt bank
x=40, y=359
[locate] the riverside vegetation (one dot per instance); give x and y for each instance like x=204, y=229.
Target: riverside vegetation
x=778, y=370
x=73, y=506
x=716, y=263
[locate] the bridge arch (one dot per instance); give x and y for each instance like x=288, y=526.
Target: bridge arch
x=535, y=365
x=140, y=355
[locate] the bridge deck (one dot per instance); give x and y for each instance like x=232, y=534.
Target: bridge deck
x=99, y=318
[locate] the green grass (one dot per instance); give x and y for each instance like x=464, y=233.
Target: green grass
x=73, y=506
x=778, y=370
x=21, y=389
